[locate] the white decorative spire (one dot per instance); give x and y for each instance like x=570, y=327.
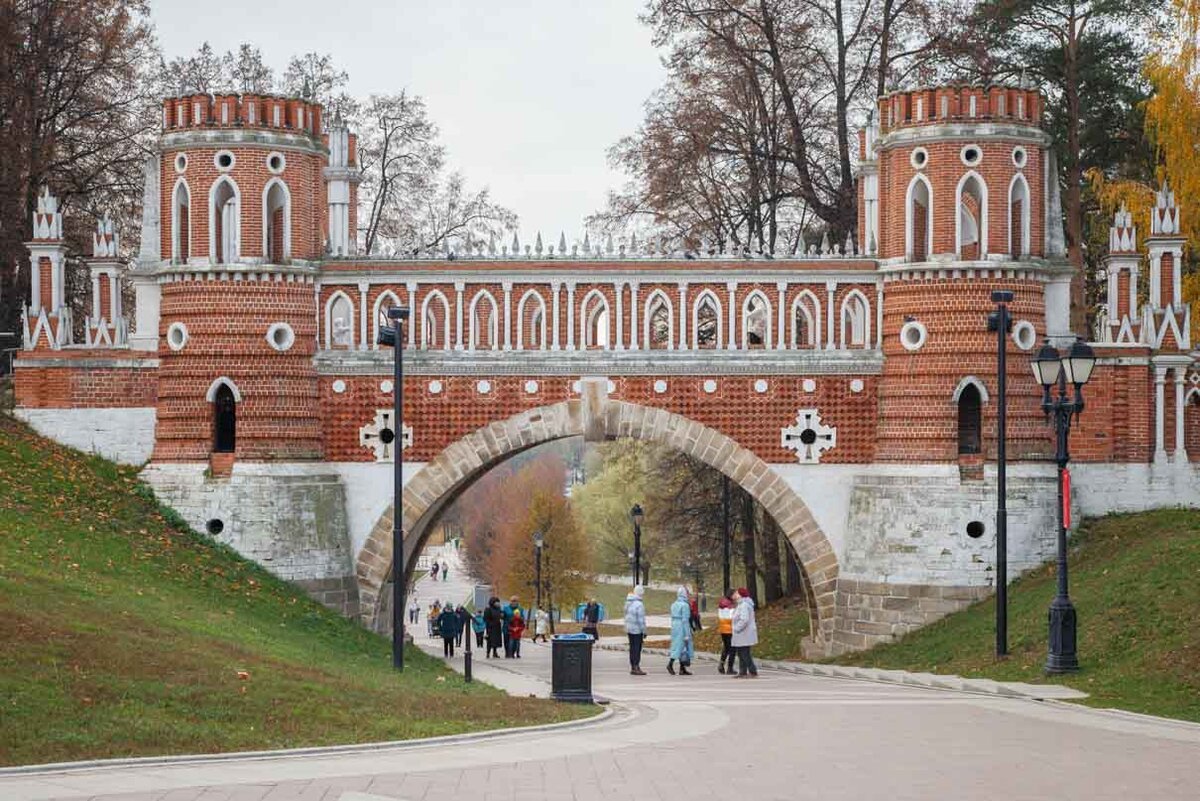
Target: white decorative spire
x=562, y=243
x=516, y=245
x=608, y=245
x=537, y=245
x=47, y=220
x=1164, y=217
x=587, y=244
x=106, y=241
x=1122, y=236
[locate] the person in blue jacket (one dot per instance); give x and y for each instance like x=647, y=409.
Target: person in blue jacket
x=479, y=626
x=448, y=628
x=681, y=634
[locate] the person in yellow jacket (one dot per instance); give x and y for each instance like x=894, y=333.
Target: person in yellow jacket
x=725, y=611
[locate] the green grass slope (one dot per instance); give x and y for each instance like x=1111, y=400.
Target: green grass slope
x=125, y=634
x=1135, y=583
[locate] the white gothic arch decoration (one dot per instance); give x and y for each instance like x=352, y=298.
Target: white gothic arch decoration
x=429, y=319
x=339, y=322
x=475, y=340
x=970, y=381
x=1018, y=192
x=856, y=320
x=806, y=306
x=387, y=300
x=224, y=221
x=920, y=193
x=596, y=321
x=211, y=394
x=533, y=334
x=967, y=228
x=707, y=299
x=181, y=222
x=277, y=198
x=756, y=320
x=658, y=306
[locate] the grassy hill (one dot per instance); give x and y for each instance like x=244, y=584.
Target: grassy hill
x=1135, y=583
x=127, y=634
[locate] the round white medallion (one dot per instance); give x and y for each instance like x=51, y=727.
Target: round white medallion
x=660, y=386
x=710, y=386
x=809, y=385
x=971, y=155
x=856, y=385
x=913, y=335
x=435, y=387
x=224, y=160
x=1019, y=157
x=339, y=386
x=918, y=158
x=1024, y=334
x=280, y=336
x=483, y=387
x=181, y=162
x=531, y=387
x=177, y=336
x=385, y=386
x=760, y=385
x=276, y=163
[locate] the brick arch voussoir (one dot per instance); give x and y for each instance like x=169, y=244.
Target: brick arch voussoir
x=460, y=463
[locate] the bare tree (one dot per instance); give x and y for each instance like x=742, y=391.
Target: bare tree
x=247, y=71
x=204, y=72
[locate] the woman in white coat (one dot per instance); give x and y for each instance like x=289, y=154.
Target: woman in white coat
x=745, y=633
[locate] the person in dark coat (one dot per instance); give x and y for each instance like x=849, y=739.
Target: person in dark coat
x=448, y=628
x=464, y=620
x=591, y=619
x=493, y=619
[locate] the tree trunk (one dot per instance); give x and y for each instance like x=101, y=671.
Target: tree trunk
x=772, y=570
x=749, y=530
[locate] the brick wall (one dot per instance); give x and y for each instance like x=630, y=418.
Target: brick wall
x=71, y=387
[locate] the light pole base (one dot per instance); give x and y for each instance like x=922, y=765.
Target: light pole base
x=1062, y=657
x=467, y=665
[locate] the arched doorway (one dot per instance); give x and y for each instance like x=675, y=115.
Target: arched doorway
x=436, y=485
x=224, y=420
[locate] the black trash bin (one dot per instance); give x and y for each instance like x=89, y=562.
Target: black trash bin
x=571, y=668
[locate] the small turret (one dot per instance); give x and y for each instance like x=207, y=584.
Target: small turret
x=47, y=321
x=106, y=327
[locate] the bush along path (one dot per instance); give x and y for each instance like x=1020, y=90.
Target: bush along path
x=127, y=634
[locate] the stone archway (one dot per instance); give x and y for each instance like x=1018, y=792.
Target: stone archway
x=459, y=464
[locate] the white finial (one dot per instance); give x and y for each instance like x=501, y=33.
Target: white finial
x=587, y=244
x=538, y=245
x=562, y=243
x=826, y=248
x=608, y=245
x=105, y=242
x=47, y=220
x=516, y=245
x=848, y=249
x=633, y=245
x=1164, y=217
x=492, y=244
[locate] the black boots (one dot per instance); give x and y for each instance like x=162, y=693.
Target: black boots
x=671, y=666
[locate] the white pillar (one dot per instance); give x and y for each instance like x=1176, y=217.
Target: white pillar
x=731, y=334
x=97, y=311
x=633, y=315
x=363, y=342
x=459, y=286
x=1177, y=277
x=1180, y=407
x=620, y=287
x=1155, y=278
x=507, y=285
x=1133, y=292
x=879, y=316
x=570, y=315
x=830, y=288
x=114, y=297
x=411, y=287
x=781, y=316
x=1160, y=377
x=683, y=345
x=556, y=288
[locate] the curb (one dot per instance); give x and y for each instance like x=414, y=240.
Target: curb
x=313, y=752
x=933, y=681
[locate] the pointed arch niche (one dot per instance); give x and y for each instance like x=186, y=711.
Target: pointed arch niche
x=277, y=222
x=918, y=219
x=435, y=321
x=531, y=321
x=706, y=321
x=181, y=222
x=971, y=219
x=224, y=221
x=596, y=321
x=1018, y=217
x=658, y=322
x=485, y=325
x=756, y=321
x=806, y=320
x=856, y=320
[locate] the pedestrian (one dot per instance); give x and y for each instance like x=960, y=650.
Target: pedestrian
x=635, y=628
x=464, y=619
x=445, y=572
x=414, y=612
x=479, y=626
x=745, y=633
x=516, y=627
x=513, y=606
x=591, y=619
x=725, y=608
x=448, y=628
x=493, y=618
x=541, y=624
x=681, y=634
x=694, y=610
x=433, y=571
x=435, y=609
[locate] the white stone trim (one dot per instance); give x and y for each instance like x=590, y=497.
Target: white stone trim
x=847, y=341
x=1024, y=335
x=707, y=295
x=913, y=335
x=589, y=314
x=473, y=338
x=655, y=299
x=438, y=295
x=177, y=336
x=377, y=313
x=211, y=394
x=768, y=329
x=541, y=304
x=175, y=244
x=971, y=381
x=812, y=315
x=982, y=223
x=1019, y=180
x=212, y=221
x=909, y=200
x=287, y=217
x=289, y=336
x=329, y=332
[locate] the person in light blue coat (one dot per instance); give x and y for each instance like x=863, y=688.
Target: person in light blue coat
x=635, y=628
x=681, y=634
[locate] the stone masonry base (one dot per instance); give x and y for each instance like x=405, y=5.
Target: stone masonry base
x=871, y=613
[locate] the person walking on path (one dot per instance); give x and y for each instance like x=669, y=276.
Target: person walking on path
x=433, y=570
x=635, y=628
x=745, y=633
x=448, y=628
x=494, y=619
x=513, y=606
x=591, y=619
x=445, y=572
x=435, y=609
x=681, y=634
x=694, y=613
x=414, y=611
x=541, y=624
x=479, y=626
x=725, y=609
x=516, y=628
x=464, y=619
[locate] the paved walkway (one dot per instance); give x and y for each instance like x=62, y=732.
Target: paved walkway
x=782, y=736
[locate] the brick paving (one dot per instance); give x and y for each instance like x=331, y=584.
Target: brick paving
x=782, y=736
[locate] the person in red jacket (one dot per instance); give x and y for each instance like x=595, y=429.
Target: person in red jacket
x=516, y=628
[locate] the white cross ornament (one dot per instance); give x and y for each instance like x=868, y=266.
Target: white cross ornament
x=809, y=437
x=380, y=436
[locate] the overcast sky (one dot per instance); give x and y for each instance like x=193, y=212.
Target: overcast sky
x=529, y=94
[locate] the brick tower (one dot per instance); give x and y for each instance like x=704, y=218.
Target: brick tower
x=242, y=228
x=961, y=175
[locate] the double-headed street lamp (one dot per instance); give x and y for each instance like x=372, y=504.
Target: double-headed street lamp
x=636, y=515
x=393, y=337
x=1052, y=369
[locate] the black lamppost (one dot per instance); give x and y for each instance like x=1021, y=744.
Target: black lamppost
x=1054, y=369
x=726, y=539
x=538, y=542
x=635, y=514
x=393, y=337
x=1000, y=322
